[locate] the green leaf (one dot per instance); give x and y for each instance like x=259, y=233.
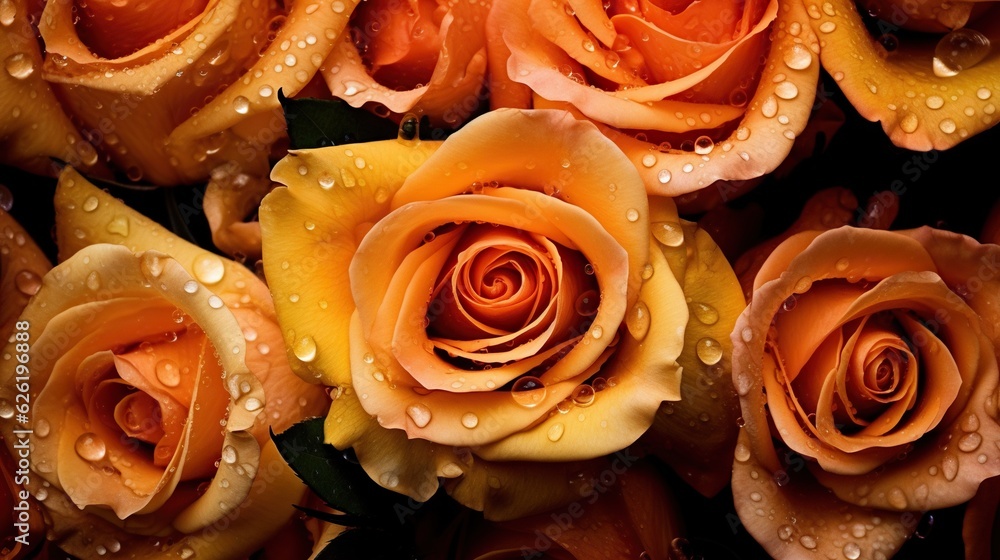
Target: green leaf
x=314, y=123
x=333, y=476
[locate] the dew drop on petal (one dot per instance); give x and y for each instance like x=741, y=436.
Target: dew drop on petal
x=949, y=467
x=305, y=349
x=797, y=57
x=637, y=321
x=420, y=414
x=852, y=551
x=215, y=302
x=27, y=282
x=90, y=447
x=959, y=50
x=168, y=373
x=584, y=395
x=705, y=313
x=241, y=105
x=556, y=431
x=528, y=391
x=209, y=269
x=90, y=204
x=668, y=233
x=229, y=455
x=470, y=420
x=190, y=286
x=808, y=541
x=709, y=351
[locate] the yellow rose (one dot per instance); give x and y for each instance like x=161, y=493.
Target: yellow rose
x=152, y=384
x=502, y=299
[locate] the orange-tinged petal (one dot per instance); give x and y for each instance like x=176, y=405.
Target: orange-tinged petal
x=229, y=199
x=918, y=109
x=22, y=265
x=117, y=29
x=34, y=128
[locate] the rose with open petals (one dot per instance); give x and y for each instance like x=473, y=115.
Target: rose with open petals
x=490, y=302
x=169, y=91
x=867, y=370
x=426, y=57
x=150, y=386
x=692, y=92
x=925, y=70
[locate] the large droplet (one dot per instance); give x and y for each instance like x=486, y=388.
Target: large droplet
x=584, y=395
x=470, y=420
x=709, y=351
x=420, y=414
x=705, y=313
x=168, y=373
x=90, y=204
x=27, y=282
x=6, y=410
x=19, y=66
x=90, y=447
x=798, y=57
x=852, y=551
x=959, y=50
x=7, y=12
x=637, y=321
x=305, y=349
x=949, y=467
x=241, y=105
x=668, y=233
x=209, y=269
x=556, y=431
x=528, y=391
x=119, y=225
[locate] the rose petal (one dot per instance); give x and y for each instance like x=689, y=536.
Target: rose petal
x=34, y=127
x=714, y=302
x=900, y=88
x=339, y=217
x=117, y=29
x=229, y=199
x=22, y=266
x=457, y=73
x=979, y=528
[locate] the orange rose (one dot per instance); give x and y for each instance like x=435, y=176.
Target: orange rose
x=169, y=91
x=867, y=371
x=491, y=309
x=692, y=92
x=930, y=90
x=427, y=57
x=151, y=386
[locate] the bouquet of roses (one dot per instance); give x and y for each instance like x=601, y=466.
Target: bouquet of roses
x=508, y=279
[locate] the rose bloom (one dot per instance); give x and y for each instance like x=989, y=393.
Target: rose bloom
x=168, y=91
x=152, y=386
x=480, y=305
x=426, y=57
x=692, y=92
x=923, y=69
x=867, y=372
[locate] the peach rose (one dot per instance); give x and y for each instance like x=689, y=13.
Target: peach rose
x=867, y=372
x=930, y=90
x=692, y=92
x=481, y=305
x=426, y=57
x=168, y=91
x=151, y=387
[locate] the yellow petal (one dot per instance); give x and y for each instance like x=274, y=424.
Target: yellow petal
x=917, y=109
x=312, y=229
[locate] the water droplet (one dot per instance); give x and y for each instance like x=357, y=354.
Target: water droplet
x=828, y=27
x=637, y=321
x=947, y=126
x=770, y=107
x=209, y=269
x=119, y=225
x=668, y=233
x=94, y=281
x=90, y=447
x=786, y=90
x=632, y=215
x=588, y=303
x=528, y=391
x=338, y=7
x=897, y=498
x=470, y=420
x=970, y=442
x=555, y=432
x=420, y=414
x=909, y=123
x=215, y=302
x=852, y=551
x=19, y=66
x=742, y=452
x=705, y=313
x=808, y=541
x=27, y=282
x=663, y=176
x=746, y=334
x=648, y=160
x=187, y=553
x=42, y=428
x=253, y=404
x=305, y=349
x=190, y=286
x=168, y=373
x=983, y=93
x=229, y=455
x=6, y=410
x=798, y=57
x=90, y=204
x=703, y=145
x=451, y=470
x=241, y=105
x=785, y=532
x=949, y=467
x=584, y=395
x=959, y=50
x=934, y=102
x=7, y=12
x=709, y=351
